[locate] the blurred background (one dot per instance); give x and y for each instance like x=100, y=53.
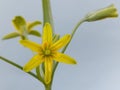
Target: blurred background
x=95, y=46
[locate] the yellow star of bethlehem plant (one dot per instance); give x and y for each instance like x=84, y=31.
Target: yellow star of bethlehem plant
x=47, y=52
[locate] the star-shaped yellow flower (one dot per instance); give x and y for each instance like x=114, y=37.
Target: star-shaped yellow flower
x=23, y=28
x=47, y=52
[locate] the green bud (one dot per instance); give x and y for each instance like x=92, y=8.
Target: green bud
x=11, y=35
x=108, y=12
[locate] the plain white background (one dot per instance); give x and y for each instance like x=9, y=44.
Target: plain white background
x=95, y=46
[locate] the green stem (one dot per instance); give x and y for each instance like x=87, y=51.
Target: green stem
x=48, y=87
x=18, y=66
x=73, y=32
x=64, y=49
x=47, y=13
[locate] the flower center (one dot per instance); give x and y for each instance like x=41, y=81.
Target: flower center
x=47, y=52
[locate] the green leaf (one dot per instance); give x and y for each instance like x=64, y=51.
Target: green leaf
x=11, y=35
x=35, y=33
x=19, y=23
x=33, y=24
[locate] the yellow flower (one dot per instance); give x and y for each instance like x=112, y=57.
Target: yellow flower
x=47, y=52
x=23, y=28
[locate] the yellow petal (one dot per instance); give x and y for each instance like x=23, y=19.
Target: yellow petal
x=33, y=63
x=31, y=45
x=31, y=25
x=65, y=59
x=62, y=42
x=48, y=70
x=47, y=33
x=19, y=23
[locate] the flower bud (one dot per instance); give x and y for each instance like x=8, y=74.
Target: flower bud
x=108, y=12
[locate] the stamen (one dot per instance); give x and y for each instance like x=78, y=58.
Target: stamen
x=47, y=52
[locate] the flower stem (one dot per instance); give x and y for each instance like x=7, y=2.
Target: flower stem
x=73, y=32
x=47, y=13
x=64, y=49
x=18, y=66
x=48, y=87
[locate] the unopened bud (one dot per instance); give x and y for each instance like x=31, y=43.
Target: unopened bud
x=108, y=12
